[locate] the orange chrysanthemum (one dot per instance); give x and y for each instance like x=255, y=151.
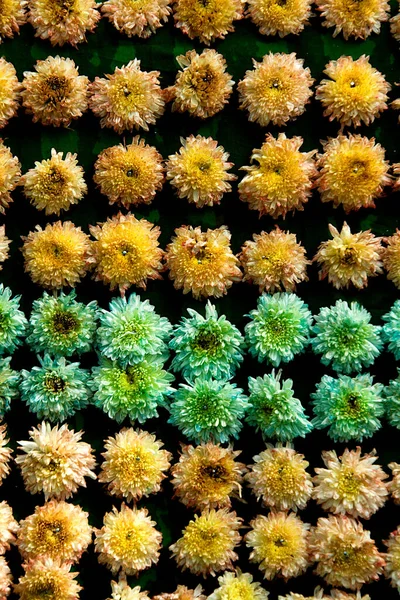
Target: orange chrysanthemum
x=208, y=20
x=357, y=18
x=282, y=17
x=12, y=16
x=10, y=173
x=137, y=18
x=48, y=578
x=10, y=90
x=63, y=21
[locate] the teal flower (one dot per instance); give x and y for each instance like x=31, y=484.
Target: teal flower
x=280, y=328
x=56, y=389
x=391, y=329
x=392, y=404
x=207, y=346
x=62, y=326
x=12, y=321
x=132, y=331
x=9, y=380
x=208, y=410
x=273, y=409
x=345, y=337
x=349, y=407
x=134, y=391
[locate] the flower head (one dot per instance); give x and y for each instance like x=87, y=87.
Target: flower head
x=394, y=484
x=209, y=346
x=208, y=542
x=4, y=245
x=317, y=595
x=121, y=590
x=238, y=586
x=5, y=578
x=183, y=593
x=9, y=381
x=274, y=17
x=10, y=90
x=63, y=22
x=391, y=329
x=8, y=527
x=129, y=175
x=12, y=322
x=10, y=173
x=395, y=26
x=341, y=595
x=141, y=19
x=392, y=401
x=209, y=20
x=392, y=567
x=355, y=92
x=47, y=577
x=55, y=461
x=5, y=455
x=12, y=16
x=391, y=258
x=354, y=19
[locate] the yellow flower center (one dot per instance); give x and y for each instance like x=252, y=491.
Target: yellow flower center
x=129, y=539
x=279, y=478
x=136, y=466
x=238, y=590
x=128, y=93
x=279, y=544
x=205, y=539
x=54, y=89
x=51, y=535
x=348, y=484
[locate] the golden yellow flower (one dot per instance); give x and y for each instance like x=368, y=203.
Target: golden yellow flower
x=121, y=590
x=282, y=17
x=54, y=184
x=199, y=171
x=55, y=461
x=202, y=262
x=278, y=544
x=394, y=484
x=4, y=245
x=392, y=567
x=63, y=21
x=208, y=542
x=47, y=578
x=5, y=453
x=10, y=90
x=137, y=18
x=391, y=258
x=12, y=16
x=207, y=20
x=128, y=99
x=8, y=527
x=203, y=86
x=276, y=90
x=349, y=258
x=355, y=93
x=10, y=173
x=238, y=586
x=55, y=94
x=129, y=175
x=346, y=554
x=56, y=256
x=207, y=476
x=126, y=252
x=5, y=578
x=183, y=593
x=355, y=18
x=128, y=540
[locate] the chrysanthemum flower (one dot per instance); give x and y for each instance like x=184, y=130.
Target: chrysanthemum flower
x=392, y=401
x=183, y=593
x=207, y=476
x=10, y=89
x=202, y=262
x=392, y=557
x=5, y=578
x=141, y=19
x=57, y=255
x=129, y=175
x=10, y=173
x=5, y=455
x=209, y=20
x=55, y=94
x=127, y=99
x=126, y=252
x=317, y=595
x=355, y=19
x=349, y=407
x=208, y=542
x=238, y=586
x=391, y=329
x=56, y=389
x=62, y=326
x=276, y=90
x=274, y=411
x=346, y=554
x=134, y=464
x=278, y=544
x=63, y=22
x=279, y=477
x=9, y=381
x=48, y=578
x=395, y=26
x=351, y=484
x=341, y=595
x=391, y=258
x=13, y=321
x=210, y=346
x=8, y=527
x=282, y=17
x=55, y=461
x=273, y=261
x=121, y=590
x=203, y=86
x=279, y=328
x=57, y=530
x=4, y=245
x=394, y=484
x=208, y=410
x=355, y=92
x=128, y=540
x=353, y=172
x=12, y=16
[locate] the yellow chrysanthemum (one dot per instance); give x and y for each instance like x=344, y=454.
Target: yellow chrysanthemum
x=276, y=90
x=134, y=464
x=10, y=90
x=282, y=179
x=349, y=258
x=5, y=578
x=203, y=86
x=199, y=171
x=274, y=261
x=12, y=16
x=279, y=545
x=137, y=18
x=208, y=542
x=282, y=17
x=55, y=461
x=207, y=476
x=126, y=252
x=55, y=94
x=391, y=258
x=346, y=554
x=238, y=586
x=10, y=173
x=8, y=527
x=4, y=245
x=392, y=567
x=63, y=21
x=128, y=540
x=121, y=590
x=128, y=99
x=355, y=93
x=56, y=256
x=202, y=262
x=207, y=20
x=183, y=593
x=394, y=484
x=54, y=184
x=355, y=18
x=48, y=578
x=129, y=175
x=5, y=454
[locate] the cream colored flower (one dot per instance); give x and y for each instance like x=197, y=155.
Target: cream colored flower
x=5, y=578
x=4, y=245
x=10, y=173
x=8, y=527
x=12, y=16
x=137, y=18
x=208, y=20
x=394, y=484
x=121, y=590
x=392, y=568
x=183, y=593
x=10, y=90
x=5, y=454
x=354, y=19
x=391, y=258
x=63, y=21
x=282, y=17
x=48, y=578
x=238, y=586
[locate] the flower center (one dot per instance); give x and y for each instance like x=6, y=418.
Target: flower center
x=216, y=472
x=348, y=485
x=206, y=341
x=51, y=532
x=56, y=88
x=64, y=322
x=54, y=383
x=133, y=171
x=349, y=256
x=45, y=590
x=275, y=84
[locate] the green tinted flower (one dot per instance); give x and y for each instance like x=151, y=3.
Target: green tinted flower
x=9, y=380
x=12, y=321
x=391, y=329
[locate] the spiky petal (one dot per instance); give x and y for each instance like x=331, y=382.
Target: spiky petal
x=207, y=21
x=10, y=89
x=391, y=258
x=136, y=19
x=354, y=19
x=238, y=585
x=10, y=173
x=12, y=16
x=49, y=576
x=63, y=22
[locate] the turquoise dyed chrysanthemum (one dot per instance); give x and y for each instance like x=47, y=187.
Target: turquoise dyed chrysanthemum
x=274, y=410
x=62, y=326
x=391, y=329
x=132, y=331
x=208, y=410
x=392, y=404
x=12, y=321
x=349, y=407
x=280, y=328
x=134, y=391
x=9, y=380
x=207, y=346
x=56, y=389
